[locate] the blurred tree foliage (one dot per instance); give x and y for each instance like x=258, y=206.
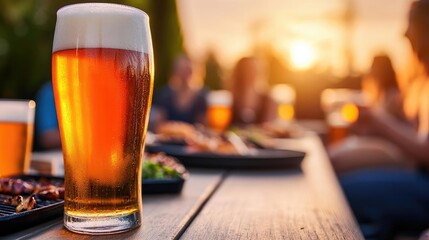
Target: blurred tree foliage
x=214, y=78
x=26, y=34
x=166, y=37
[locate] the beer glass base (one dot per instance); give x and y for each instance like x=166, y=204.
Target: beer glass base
x=103, y=225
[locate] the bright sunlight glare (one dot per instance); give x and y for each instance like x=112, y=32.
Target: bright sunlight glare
x=302, y=55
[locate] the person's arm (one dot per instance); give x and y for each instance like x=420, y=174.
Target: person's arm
x=403, y=135
x=158, y=119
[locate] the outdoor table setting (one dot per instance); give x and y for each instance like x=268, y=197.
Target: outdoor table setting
x=112, y=178
x=289, y=203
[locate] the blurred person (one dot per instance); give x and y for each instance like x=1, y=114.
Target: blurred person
x=179, y=100
x=251, y=101
x=424, y=236
x=47, y=134
x=362, y=149
x=381, y=86
x=393, y=199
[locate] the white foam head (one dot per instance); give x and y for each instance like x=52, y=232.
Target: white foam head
x=283, y=93
x=102, y=25
x=219, y=98
x=17, y=110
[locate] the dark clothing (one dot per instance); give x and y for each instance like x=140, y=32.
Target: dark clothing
x=166, y=101
x=46, y=115
x=388, y=200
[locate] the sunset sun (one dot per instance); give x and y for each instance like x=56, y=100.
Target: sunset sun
x=302, y=55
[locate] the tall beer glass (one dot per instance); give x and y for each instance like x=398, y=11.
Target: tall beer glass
x=102, y=69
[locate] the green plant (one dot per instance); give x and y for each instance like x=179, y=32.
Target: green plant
x=26, y=34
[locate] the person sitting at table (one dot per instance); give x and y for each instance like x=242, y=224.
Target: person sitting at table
x=179, y=100
x=47, y=134
x=362, y=149
x=381, y=86
x=251, y=101
x=390, y=199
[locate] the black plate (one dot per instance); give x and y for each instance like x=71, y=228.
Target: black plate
x=11, y=221
x=261, y=159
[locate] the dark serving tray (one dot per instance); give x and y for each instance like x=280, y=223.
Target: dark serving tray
x=11, y=221
x=261, y=159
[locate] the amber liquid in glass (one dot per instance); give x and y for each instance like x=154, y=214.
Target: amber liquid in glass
x=337, y=133
x=103, y=98
x=219, y=117
x=15, y=147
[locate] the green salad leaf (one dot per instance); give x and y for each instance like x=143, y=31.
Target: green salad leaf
x=160, y=166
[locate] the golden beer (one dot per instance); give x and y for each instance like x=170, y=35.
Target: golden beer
x=285, y=112
x=219, y=117
x=337, y=133
x=103, y=92
x=104, y=117
x=219, y=110
x=340, y=121
x=284, y=97
x=15, y=147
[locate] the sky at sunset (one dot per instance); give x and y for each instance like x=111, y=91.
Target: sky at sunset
x=305, y=33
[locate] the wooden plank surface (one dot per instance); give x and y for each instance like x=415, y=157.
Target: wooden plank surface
x=247, y=205
x=164, y=215
x=279, y=204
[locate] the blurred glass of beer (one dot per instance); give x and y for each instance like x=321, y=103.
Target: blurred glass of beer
x=102, y=68
x=219, y=112
x=340, y=106
x=338, y=127
x=284, y=96
x=16, y=136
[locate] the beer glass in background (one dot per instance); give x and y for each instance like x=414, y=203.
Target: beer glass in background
x=341, y=110
x=284, y=96
x=219, y=110
x=16, y=136
x=102, y=69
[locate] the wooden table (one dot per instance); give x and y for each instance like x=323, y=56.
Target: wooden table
x=220, y=204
